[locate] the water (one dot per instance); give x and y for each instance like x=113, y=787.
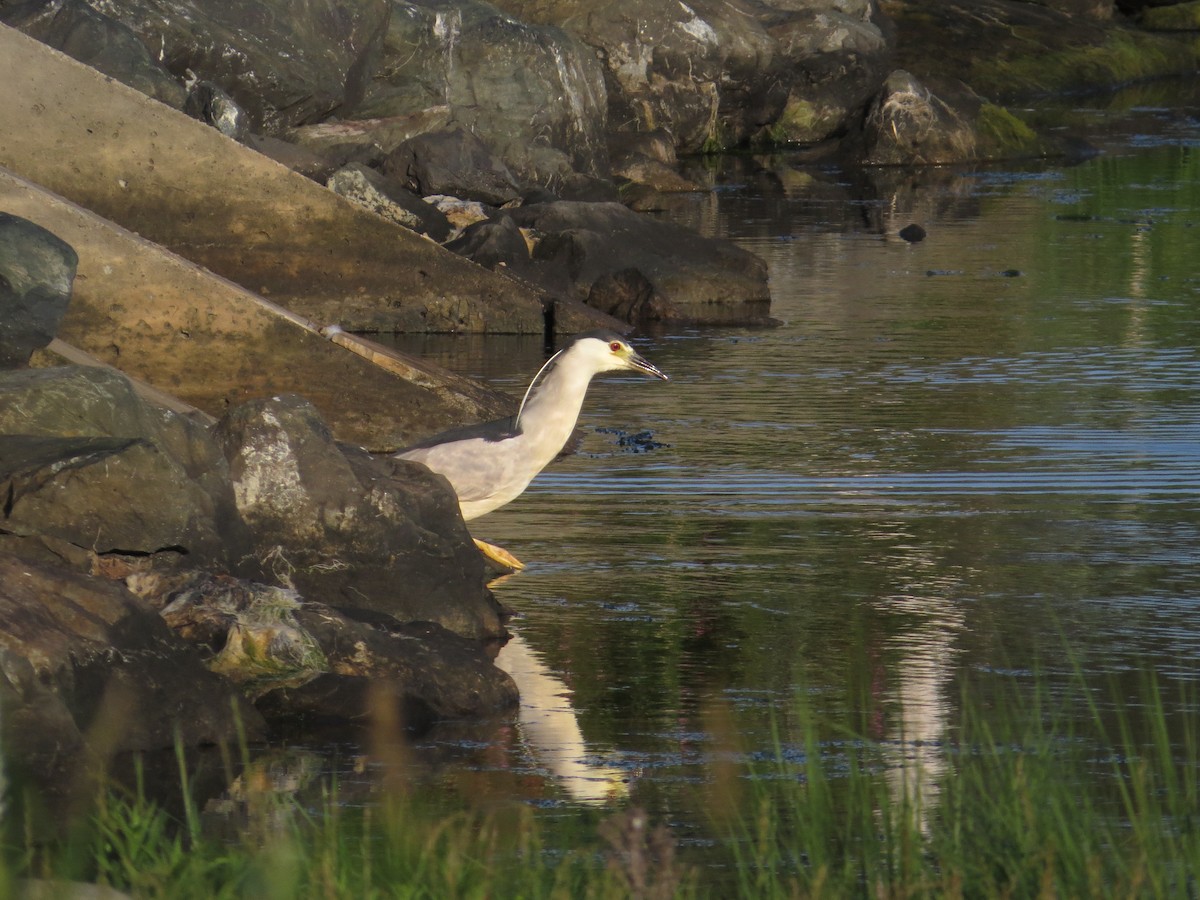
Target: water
x=973, y=457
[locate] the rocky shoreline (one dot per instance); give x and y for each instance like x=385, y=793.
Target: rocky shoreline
x=229, y=557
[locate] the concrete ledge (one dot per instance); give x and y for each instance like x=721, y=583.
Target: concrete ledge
x=213, y=344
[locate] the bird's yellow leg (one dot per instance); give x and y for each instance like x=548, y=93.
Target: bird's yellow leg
x=499, y=554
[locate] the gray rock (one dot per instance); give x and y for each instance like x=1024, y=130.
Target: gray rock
x=834, y=63
x=532, y=91
x=425, y=669
x=88, y=462
x=346, y=141
x=96, y=40
x=682, y=277
x=306, y=663
x=696, y=69
x=453, y=162
x=351, y=531
x=386, y=197
x=211, y=105
x=284, y=63
x=908, y=125
x=84, y=663
x=36, y=273
x=496, y=245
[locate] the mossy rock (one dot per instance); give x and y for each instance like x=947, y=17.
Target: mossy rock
x=1180, y=17
x=1007, y=51
x=1002, y=135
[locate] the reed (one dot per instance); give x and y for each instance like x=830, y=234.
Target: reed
x=1033, y=800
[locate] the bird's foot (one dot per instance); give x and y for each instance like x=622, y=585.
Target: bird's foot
x=499, y=555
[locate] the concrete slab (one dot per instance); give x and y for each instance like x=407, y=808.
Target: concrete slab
x=213, y=344
x=184, y=185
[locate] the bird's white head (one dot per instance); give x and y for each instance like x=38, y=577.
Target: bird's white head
x=607, y=351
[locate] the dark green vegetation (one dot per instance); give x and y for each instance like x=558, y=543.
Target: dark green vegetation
x=1004, y=810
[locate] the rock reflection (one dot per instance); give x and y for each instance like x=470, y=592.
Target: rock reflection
x=549, y=728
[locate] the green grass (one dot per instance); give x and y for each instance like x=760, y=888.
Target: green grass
x=1030, y=799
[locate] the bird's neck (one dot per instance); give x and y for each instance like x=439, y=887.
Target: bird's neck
x=552, y=410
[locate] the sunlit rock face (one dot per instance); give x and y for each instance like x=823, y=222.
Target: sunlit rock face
x=350, y=530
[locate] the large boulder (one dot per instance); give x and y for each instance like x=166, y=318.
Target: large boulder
x=533, y=92
x=91, y=464
x=36, y=272
x=694, y=68
x=87, y=666
x=835, y=55
x=346, y=529
x=284, y=63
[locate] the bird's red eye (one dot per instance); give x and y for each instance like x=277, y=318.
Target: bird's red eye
x=614, y=346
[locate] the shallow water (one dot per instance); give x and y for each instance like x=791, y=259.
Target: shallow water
x=973, y=457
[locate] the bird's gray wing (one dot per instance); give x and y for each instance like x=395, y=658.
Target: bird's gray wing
x=472, y=465
x=496, y=430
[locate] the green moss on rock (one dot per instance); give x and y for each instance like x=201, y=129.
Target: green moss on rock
x=1180, y=17
x=1003, y=135
x=1123, y=56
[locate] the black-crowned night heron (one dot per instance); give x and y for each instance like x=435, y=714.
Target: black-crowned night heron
x=491, y=464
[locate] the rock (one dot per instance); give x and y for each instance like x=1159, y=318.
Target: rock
x=211, y=105
x=908, y=125
x=303, y=661
x=98, y=41
x=284, y=64
x=386, y=197
x=351, y=531
x=834, y=62
x=367, y=141
x=36, y=272
x=497, y=245
x=1178, y=17
x=432, y=673
x=683, y=277
x=452, y=162
x=1006, y=50
x=695, y=69
x=87, y=664
x=88, y=462
x=531, y=91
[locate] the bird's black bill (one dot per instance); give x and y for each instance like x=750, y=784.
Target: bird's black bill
x=644, y=365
